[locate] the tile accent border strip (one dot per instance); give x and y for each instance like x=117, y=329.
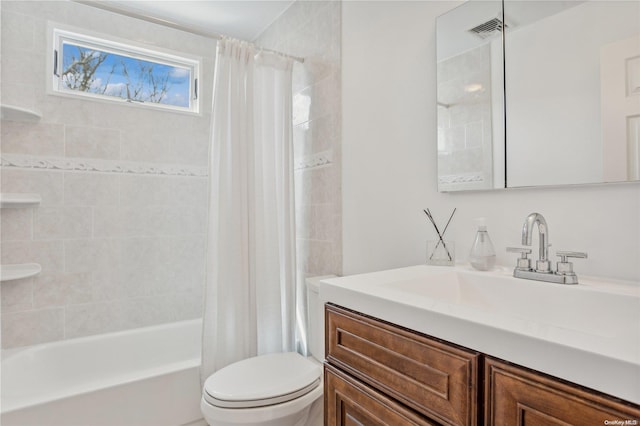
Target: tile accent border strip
x=324, y=158
x=102, y=166
x=133, y=167
x=453, y=179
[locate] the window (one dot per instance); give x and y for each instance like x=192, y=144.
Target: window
x=101, y=69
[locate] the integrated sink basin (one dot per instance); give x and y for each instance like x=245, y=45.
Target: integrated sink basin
x=581, y=309
x=587, y=333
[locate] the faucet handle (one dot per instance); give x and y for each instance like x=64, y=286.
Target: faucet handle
x=564, y=267
x=521, y=250
x=565, y=254
x=524, y=263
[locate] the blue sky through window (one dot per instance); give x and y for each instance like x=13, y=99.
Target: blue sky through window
x=109, y=74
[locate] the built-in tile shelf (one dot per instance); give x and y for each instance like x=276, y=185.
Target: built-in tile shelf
x=19, y=271
x=17, y=201
x=22, y=270
x=15, y=113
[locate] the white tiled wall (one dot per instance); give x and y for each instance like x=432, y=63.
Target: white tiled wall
x=312, y=30
x=119, y=249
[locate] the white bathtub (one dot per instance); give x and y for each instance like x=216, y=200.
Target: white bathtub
x=147, y=376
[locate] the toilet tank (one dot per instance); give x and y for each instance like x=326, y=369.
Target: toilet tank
x=315, y=309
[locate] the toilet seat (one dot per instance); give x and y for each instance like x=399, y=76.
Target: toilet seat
x=262, y=381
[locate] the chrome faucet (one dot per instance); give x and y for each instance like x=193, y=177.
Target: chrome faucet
x=543, y=264
x=542, y=272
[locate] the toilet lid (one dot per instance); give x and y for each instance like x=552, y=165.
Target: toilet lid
x=262, y=380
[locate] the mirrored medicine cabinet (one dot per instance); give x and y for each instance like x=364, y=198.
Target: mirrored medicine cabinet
x=536, y=93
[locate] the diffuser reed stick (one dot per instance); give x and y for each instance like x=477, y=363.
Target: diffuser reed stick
x=440, y=235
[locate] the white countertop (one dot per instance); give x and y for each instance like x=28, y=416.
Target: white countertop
x=587, y=333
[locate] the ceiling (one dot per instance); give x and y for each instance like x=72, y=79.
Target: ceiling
x=243, y=19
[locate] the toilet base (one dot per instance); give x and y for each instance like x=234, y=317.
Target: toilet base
x=295, y=419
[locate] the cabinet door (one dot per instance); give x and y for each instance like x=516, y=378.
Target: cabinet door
x=349, y=402
x=432, y=377
x=515, y=396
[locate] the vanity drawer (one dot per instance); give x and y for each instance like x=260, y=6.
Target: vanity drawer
x=431, y=377
x=350, y=403
x=515, y=395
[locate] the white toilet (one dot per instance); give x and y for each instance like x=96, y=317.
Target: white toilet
x=275, y=389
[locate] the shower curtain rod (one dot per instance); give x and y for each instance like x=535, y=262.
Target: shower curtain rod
x=105, y=6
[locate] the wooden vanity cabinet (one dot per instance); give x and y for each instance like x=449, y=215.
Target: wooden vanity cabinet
x=435, y=379
x=518, y=396
x=379, y=374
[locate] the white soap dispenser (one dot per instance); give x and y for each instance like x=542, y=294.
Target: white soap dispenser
x=483, y=255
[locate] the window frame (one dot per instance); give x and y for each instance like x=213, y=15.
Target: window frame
x=60, y=35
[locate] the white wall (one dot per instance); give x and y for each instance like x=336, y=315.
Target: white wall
x=389, y=162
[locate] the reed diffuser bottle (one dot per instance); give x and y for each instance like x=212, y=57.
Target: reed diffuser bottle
x=483, y=255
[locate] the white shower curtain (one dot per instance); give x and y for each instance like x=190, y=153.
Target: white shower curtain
x=250, y=295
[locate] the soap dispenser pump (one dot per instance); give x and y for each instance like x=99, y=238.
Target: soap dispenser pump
x=483, y=255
